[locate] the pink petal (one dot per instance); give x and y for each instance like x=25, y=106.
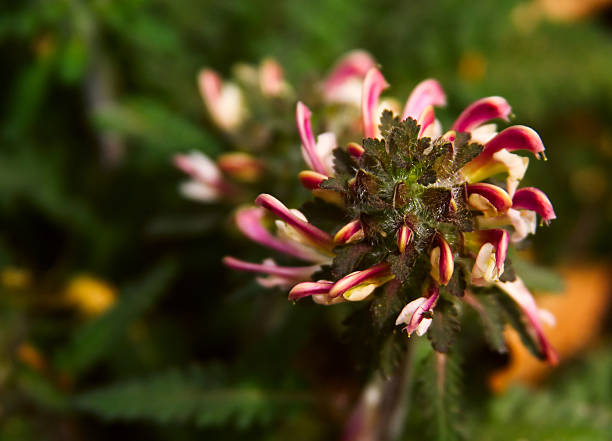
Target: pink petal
x=355, y=150
x=271, y=77
x=269, y=267
x=359, y=277
x=303, y=115
x=442, y=261
x=515, y=138
x=426, y=93
x=373, y=85
x=306, y=289
x=497, y=237
x=349, y=233
x=496, y=196
x=353, y=65
x=249, y=221
x=426, y=119
x=309, y=231
x=531, y=198
x=521, y=295
x=481, y=111
x=311, y=179
x=404, y=235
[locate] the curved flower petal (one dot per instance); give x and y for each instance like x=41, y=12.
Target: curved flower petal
x=404, y=235
x=249, y=222
x=360, y=284
x=309, y=231
x=481, y=111
x=324, y=149
x=306, y=289
x=373, y=85
x=355, y=150
x=224, y=101
x=271, y=78
x=199, y=166
x=524, y=223
x=488, y=198
x=426, y=93
x=515, y=138
x=284, y=276
x=207, y=183
x=523, y=298
x=416, y=314
x=502, y=161
x=311, y=179
x=351, y=232
x=442, y=261
x=534, y=199
x=309, y=150
x=477, y=240
x=200, y=191
x=344, y=83
x=426, y=119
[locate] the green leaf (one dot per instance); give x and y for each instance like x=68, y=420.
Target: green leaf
x=537, y=278
x=465, y=152
x=491, y=318
x=94, y=340
x=438, y=395
x=348, y=258
x=203, y=396
x=156, y=125
x=445, y=324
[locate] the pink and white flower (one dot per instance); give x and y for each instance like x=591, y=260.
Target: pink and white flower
x=417, y=315
x=344, y=83
x=224, y=100
x=207, y=183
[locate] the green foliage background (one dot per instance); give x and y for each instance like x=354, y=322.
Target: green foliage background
x=190, y=350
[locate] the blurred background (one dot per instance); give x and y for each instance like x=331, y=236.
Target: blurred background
x=117, y=318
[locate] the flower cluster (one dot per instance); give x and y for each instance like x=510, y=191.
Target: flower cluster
x=237, y=109
x=423, y=211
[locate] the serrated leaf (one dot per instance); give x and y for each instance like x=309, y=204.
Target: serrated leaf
x=438, y=393
x=465, y=152
x=491, y=318
x=343, y=162
x=445, y=325
x=348, y=258
x=202, y=396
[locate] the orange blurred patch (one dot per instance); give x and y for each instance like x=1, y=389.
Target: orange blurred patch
x=30, y=356
x=579, y=312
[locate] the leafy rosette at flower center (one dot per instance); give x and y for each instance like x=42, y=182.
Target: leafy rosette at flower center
x=417, y=222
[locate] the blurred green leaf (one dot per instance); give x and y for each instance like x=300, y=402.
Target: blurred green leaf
x=199, y=395
x=157, y=126
x=94, y=340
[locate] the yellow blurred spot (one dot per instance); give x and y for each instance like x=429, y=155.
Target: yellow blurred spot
x=472, y=67
x=579, y=313
x=526, y=16
x=90, y=295
x=15, y=278
x=30, y=356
